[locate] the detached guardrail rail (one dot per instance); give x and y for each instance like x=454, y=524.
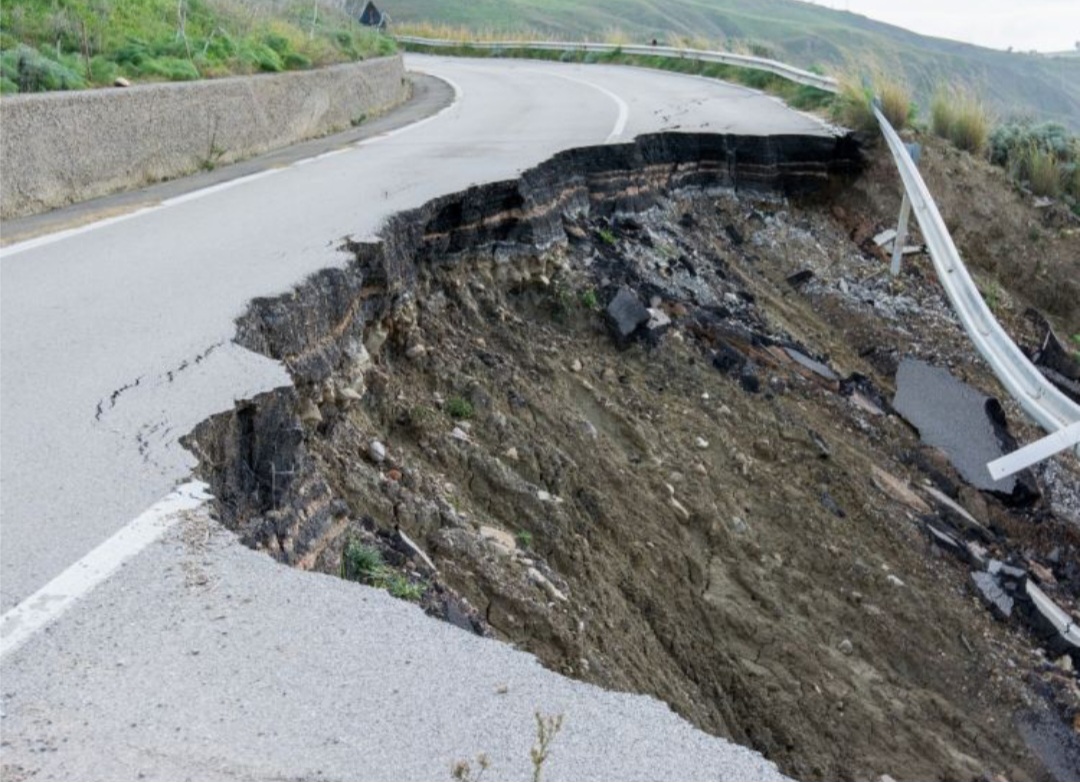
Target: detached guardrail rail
x=1038, y=397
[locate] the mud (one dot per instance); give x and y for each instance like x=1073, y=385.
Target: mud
x=700, y=493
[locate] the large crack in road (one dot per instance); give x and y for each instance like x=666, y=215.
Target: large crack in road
x=632, y=412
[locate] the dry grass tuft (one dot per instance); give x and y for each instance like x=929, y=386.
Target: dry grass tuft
x=961, y=117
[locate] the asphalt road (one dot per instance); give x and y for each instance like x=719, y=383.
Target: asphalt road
x=200, y=659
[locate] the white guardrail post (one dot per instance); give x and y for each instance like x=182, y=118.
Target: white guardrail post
x=1039, y=398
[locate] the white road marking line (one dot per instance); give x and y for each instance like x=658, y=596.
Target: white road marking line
x=194, y=195
x=48, y=603
x=624, y=108
x=53, y=599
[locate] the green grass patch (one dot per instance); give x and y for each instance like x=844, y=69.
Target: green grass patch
x=71, y=44
x=459, y=408
x=364, y=563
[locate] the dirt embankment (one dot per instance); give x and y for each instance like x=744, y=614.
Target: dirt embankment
x=593, y=413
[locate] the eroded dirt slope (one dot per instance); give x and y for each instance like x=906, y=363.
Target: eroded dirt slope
x=629, y=441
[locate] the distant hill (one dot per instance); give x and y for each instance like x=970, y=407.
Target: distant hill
x=1014, y=84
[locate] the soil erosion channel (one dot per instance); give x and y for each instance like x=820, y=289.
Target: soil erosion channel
x=631, y=412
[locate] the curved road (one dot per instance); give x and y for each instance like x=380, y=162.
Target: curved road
x=199, y=658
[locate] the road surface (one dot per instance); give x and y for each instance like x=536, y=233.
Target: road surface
x=200, y=659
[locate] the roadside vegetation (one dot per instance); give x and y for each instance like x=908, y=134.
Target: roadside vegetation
x=853, y=103
x=364, y=563
x=796, y=95
x=1041, y=157
x=74, y=44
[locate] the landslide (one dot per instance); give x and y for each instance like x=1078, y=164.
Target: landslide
x=718, y=508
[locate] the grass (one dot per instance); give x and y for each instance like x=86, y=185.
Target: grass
x=803, y=34
x=853, y=105
x=992, y=296
x=547, y=728
x=459, y=408
x=524, y=538
x=364, y=563
x=73, y=44
x=1043, y=157
x=1042, y=171
x=961, y=117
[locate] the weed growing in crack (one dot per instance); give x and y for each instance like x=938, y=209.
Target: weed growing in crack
x=547, y=728
x=364, y=564
x=992, y=296
x=360, y=562
x=607, y=236
x=402, y=588
x=462, y=771
x=459, y=408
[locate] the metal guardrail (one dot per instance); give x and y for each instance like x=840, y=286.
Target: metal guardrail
x=726, y=58
x=1039, y=398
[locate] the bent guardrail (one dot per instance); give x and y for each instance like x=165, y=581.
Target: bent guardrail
x=1038, y=397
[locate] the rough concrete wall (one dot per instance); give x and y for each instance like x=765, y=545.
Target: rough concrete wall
x=58, y=148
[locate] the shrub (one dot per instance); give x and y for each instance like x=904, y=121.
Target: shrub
x=524, y=538
x=33, y=71
x=103, y=71
x=457, y=407
x=402, y=588
x=1045, y=156
x=360, y=562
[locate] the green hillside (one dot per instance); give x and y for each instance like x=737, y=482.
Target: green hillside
x=1015, y=84
x=71, y=44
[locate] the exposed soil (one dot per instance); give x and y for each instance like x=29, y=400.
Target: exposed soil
x=688, y=510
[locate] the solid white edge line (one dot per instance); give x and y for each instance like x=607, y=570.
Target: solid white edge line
x=48, y=603
x=623, y=107
x=195, y=195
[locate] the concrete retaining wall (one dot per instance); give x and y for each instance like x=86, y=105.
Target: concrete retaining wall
x=59, y=148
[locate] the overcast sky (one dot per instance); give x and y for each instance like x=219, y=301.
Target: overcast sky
x=1044, y=25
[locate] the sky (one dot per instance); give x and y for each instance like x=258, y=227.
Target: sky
x=1043, y=25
